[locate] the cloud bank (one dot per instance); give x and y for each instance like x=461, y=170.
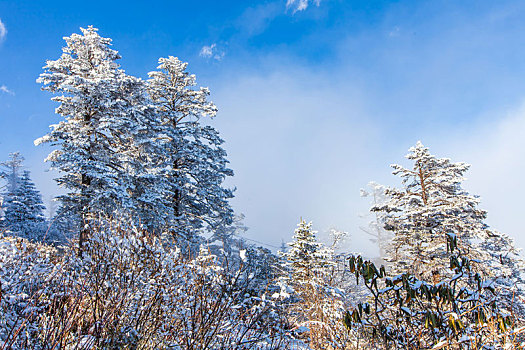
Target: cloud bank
x=300, y=146
x=303, y=143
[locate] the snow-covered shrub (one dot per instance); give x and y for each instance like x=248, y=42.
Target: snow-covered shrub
x=461, y=312
x=26, y=274
x=130, y=289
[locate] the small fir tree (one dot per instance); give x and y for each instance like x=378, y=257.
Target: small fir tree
x=306, y=256
x=313, y=302
x=10, y=172
x=24, y=213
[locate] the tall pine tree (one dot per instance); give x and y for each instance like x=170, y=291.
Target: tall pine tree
x=84, y=82
x=429, y=209
x=431, y=214
x=106, y=139
x=195, y=162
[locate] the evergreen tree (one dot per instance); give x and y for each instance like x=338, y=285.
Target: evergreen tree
x=24, y=210
x=107, y=139
x=306, y=257
x=10, y=170
x=431, y=212
x=84, y=82
x=376, y=228
x=314, y=305
x=195, y=163
x=430, y=205
x=124, y=150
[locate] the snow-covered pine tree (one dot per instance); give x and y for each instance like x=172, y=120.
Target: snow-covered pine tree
x=430, y=205
x=306, y=256
x=376, y=227
x=120, y=152
x=315, y=306
x=195, y=162
x=24, y=210
x=10, y=172
x=107, y=141
x=430, y=212
x=84, y=81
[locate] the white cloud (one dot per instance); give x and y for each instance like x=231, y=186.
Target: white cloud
x=207, y=51
x=3, y=31
x=4, y=89
x=294, y=140
x=212, y=51
x=300, y=5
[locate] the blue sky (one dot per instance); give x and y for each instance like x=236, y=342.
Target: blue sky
x=315, y=98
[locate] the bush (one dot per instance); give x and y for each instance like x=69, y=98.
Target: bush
x=132, y=290
x=403, y=312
